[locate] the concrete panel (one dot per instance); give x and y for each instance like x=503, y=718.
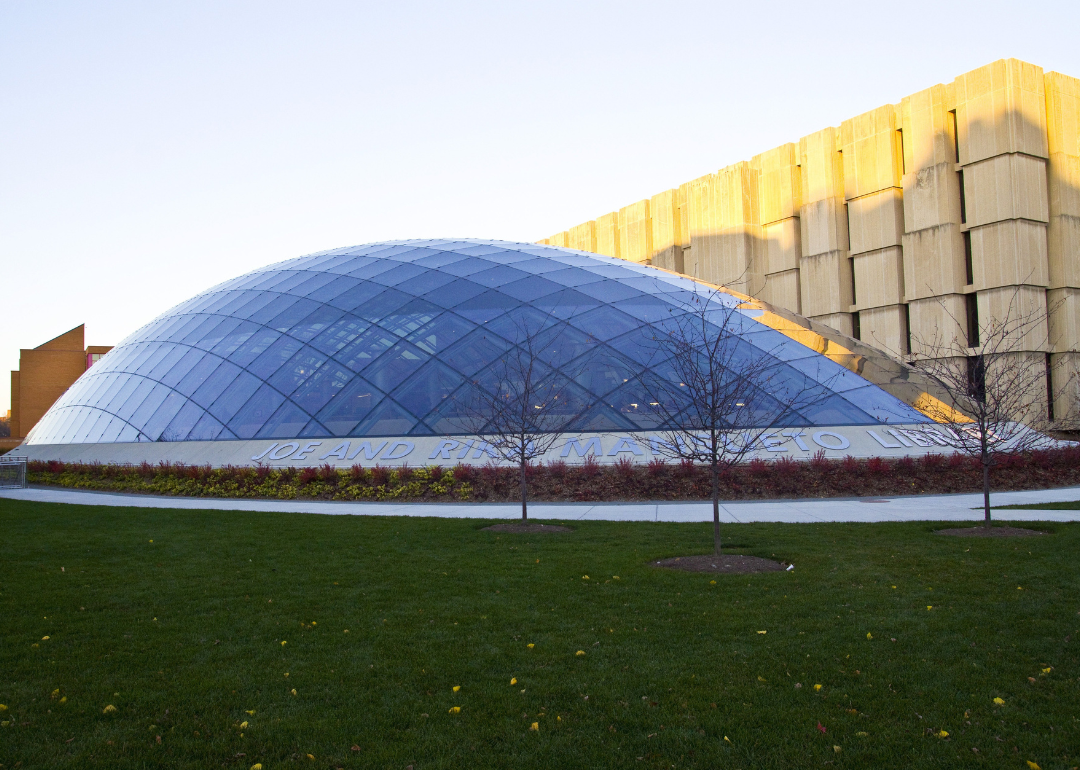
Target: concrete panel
x=1062, y=113
x=607, y=235
x=1001, y=108
x=825, y=283
x=1063, y=233
x=780, y=182
x=1065, y=387
x=931, y=197
x=822, y=166
x=559, y=239
x=876, y=221
x=872, y=154
x=937, y=321
x=782, y=289
x=1011, y=305
x=1009, y=186
x=16, y=428
x=635, y=232
x=665, y=227
x=1009, y=253
x=1063, y=306
x=884, y=328
x=934, y=262
x=927, y=129
x=823, y=226
x=879, y=278
x=725, y=231
x=840, y=321
x=783, y=246
x=582, y=237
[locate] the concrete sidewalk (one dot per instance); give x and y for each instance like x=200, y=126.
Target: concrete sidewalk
x=914, y=508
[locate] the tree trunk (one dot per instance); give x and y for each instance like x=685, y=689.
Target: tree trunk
x=986, y=492
x=716, y=509
x=524, y=491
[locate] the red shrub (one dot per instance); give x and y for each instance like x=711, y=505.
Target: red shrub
x=464, y=472
x=905, y=465
x=876, y=465
x=686, y=469
x=557, y=469
x=851, y=465
x=308, y=475
x=262, y=472
x=758, y=467
x=590, y=468
x=55, y=466
x=657, y=467
x=819, y=464
x=357, y=473
x=328, y=473
x=405, y=473
x=933, y=461
x=625, y=467
x=380, y=476
x=957, y=460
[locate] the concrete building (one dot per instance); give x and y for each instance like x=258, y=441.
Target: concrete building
x=912, y=220
x=44, y=374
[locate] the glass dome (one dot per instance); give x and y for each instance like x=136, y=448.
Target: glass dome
x=380, y=340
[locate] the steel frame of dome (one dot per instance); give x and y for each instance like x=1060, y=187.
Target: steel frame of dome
x=378, y=341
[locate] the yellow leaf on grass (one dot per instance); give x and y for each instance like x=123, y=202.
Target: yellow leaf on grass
x=250, y=713
x=530, y=645
x=293, y=691
x=513, y=680
x=110, y=709
x=862, y=735
x=1046, y=671
x=929, y=606
x=999, y=702
x=312, y=756
x=44, y=638
x=243, y=725
x=1032, y=765
x=942, y=734
x=3, y=707
x=817, y=688
x=455, y=709
x=727, y=739
x=712, y=582
x=257, y=766
x=763, y=632
x=761, y=679
x=64, y=699
x=535, y=726
x=580, y=652
x=584, y=577
x=869, y=635
x=457, y=687
x=837, y=749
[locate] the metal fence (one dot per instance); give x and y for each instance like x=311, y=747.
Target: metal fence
x=12, y=472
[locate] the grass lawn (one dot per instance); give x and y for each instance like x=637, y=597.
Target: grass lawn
x=178, y=619
x=1071, y=505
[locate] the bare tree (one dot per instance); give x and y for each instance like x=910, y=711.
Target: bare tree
x=520, y=404
x=994, y=384
x=720, y=395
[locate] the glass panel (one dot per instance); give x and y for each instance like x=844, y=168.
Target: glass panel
x=184, y=366
x=315, y=323
x=366, y=348
x=428, y=388
x=275, y=307
x=605, y=323
x=289, y=318
x=123, y=395
x=440, y=333
x=883, y=406
x=429, y=281
x=608, y=291
x=321, y=387
x=213, y=338
x=498, y=276
x=349, y=406
x=455, y=293
x=410, y=317
x=256, y=412
x=255, y=303
x=314, y=430
x=182, y=423
x=339, y=334
x=234, y=396
x=163, y=415
x=112, y=431
x=206, y=429
x=248, y=344
x=198, y=374
x=353, y=298
x=275, y=356
x=149, y=405
x=484, y=307
x=475, y=351
x=395, y=366
x=467, y=266
x=286, y=422
x=312, y=283
x=213, y=385
x=567, y=303
x=385, y=303
x=299, y=368
x=387, y=419
x=399, y=275
x=334, y=289
x=530, y=289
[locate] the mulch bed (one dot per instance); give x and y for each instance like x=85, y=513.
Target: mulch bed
x=518, y=528
x=729, y=564
x=981, y=531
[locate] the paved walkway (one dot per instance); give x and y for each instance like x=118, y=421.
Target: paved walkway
x=915, y=508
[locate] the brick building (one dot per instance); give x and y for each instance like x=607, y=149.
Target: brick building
x=44, y=373
x=912, y=219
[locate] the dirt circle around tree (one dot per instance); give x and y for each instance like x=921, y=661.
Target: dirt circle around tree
x=725, y=564
x=981, y=531
x=520, y=528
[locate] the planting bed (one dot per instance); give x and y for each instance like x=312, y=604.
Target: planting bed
x=591, y=482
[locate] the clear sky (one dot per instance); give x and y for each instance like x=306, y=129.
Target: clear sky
x=151, y=150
